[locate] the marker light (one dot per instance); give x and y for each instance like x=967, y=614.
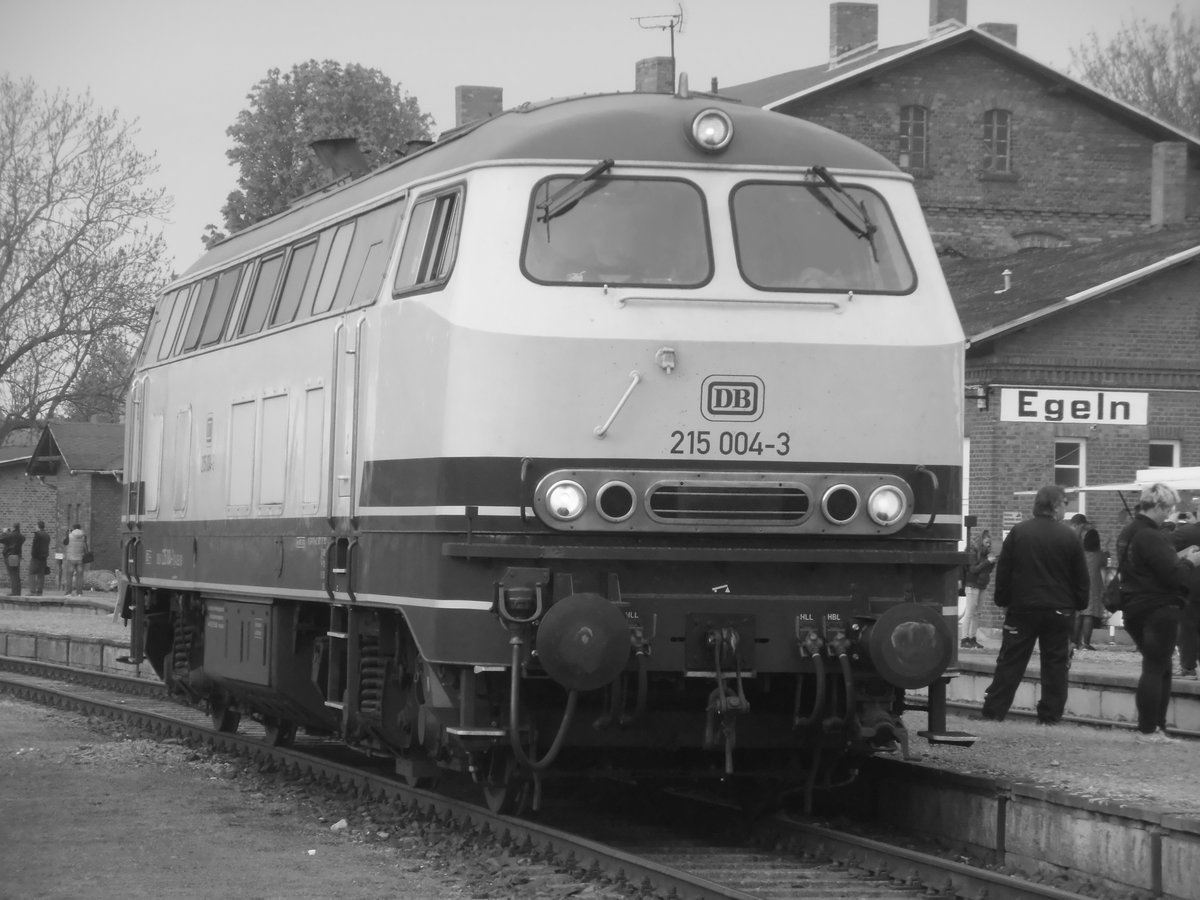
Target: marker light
x=886, y=505
x=566, y=501
x=712, y=130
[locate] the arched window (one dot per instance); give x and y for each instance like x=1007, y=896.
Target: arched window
x=914, y=137
x=997, y=140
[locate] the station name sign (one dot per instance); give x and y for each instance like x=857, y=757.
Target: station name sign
x=1089, y=407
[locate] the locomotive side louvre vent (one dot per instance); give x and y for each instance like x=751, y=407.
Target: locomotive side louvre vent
x=711, y=503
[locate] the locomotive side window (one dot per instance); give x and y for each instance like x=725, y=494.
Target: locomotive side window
x=192, y=336
x=368, y=256
x=262, y=294
x=332, y=273
x=299, y=265
x=171, y=332
x=431, y=244
x=154, y=334
x=797, y=237
x=618, y=231
x=222, y=303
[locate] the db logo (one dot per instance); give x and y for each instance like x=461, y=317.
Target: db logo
x=732, y=397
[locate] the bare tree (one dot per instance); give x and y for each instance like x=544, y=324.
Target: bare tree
x=1152, y=66
x=79, y=262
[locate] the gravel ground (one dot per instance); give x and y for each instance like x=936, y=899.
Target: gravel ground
x=90, y=811
x=1093, y=762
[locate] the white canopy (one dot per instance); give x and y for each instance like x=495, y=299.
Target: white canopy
x=1182, y=478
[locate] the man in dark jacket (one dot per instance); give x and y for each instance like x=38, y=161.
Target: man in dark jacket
x=11, y=543
x=1154, y=580
x=39, y=553
x=1041, y=580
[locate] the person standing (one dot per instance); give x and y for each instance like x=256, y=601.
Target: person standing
x=12, y=542
x=1041, y=580
x=1093, y=616
x=1154, y=579
x=76, y=546
x=39, y=553
x=979, y=574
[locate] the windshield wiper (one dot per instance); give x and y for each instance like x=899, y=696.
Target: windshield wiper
x=865, y=228
x=571, y=193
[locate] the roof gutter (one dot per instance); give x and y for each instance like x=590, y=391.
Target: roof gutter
x=1091, y=293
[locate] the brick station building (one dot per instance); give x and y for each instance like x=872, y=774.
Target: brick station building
x=1068, y=224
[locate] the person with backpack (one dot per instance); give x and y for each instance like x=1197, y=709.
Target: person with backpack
x=1186, y=534
x=1154, y=579
x=77, y=545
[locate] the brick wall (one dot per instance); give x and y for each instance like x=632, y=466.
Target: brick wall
x=1142, y=339
x=94, y=501
x=25, y=500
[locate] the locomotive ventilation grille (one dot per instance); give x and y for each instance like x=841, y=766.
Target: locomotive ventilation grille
x=756, y=502
x=728, y=504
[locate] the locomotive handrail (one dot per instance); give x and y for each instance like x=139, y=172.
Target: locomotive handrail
x=354, y=392
x=790, y=300
x=933, y=494
x=601, y=430
x=329, y=548
x=334, y=386
x=351, y=552
x=483, y=548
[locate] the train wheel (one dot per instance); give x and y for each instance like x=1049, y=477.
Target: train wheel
x=280, y=732
x=507, y=790
x=224, y=716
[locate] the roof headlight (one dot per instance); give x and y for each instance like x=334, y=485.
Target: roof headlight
x=566, y=500
x=887, y=505
x=712, y=130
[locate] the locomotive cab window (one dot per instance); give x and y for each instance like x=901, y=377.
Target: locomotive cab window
x=431, y=243
x=617, y=231
x=813, y=236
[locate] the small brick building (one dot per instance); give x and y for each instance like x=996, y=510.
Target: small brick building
x=80, y=465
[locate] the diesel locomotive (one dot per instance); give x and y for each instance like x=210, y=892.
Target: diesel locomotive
x=613, y=434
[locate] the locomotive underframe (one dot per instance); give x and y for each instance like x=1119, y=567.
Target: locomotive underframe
x=795, y=695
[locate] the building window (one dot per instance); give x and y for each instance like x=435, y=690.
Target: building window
x=1069, y=460
x=997, y=141
x=1163, y=454
x=914, y=137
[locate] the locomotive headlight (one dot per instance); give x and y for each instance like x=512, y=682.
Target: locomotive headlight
x=566, y=500
x=886, y=505
x=712, y=130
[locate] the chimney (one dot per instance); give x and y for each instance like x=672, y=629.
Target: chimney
x=852, y=27
x=1168, y=183
x=473, y=102
x=942, y=12
x=655, y=75
x=1001, y=31
x=341, y=157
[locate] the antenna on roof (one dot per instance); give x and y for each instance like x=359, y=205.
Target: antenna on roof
x=672, y=23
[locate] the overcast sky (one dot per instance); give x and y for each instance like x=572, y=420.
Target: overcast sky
x=183, y=69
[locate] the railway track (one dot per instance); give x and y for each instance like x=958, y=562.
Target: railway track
x=668, y=844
